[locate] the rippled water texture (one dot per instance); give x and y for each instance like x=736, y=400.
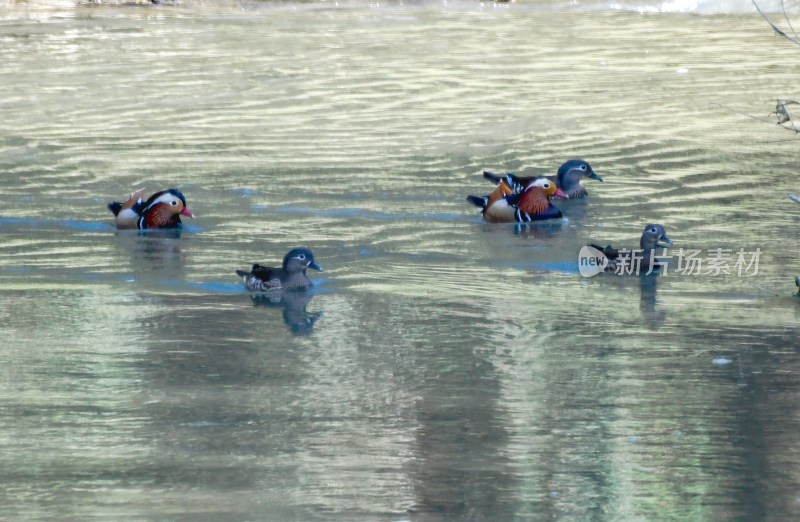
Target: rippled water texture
x=442, y=368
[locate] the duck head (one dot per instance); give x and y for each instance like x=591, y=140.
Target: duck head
x=535, y=199
x=298, y=259
x=547, y=186
x=173, y=199
x=163, y=209
x=570, y=175
x=653, y=236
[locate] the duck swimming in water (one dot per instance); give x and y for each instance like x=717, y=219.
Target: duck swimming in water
x=291, y=276
x=532, y=203
x=161, y=210
x=627, y=261
x=568, y=178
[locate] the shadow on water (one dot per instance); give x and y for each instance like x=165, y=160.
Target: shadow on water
x=461, y=470
x=221, y=385
x=451, y=399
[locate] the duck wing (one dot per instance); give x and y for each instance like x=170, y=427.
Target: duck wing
x=517, y=183
x=609, y=251
x=134, y=202
x=261, y=278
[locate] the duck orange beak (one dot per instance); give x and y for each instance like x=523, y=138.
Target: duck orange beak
x=186, y=212
x=560, y=194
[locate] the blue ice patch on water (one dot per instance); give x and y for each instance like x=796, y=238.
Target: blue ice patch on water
x=564, y=267
x=87, y=225
x=216, y=287
x=189, y=228
x=15, y=221
x=91, y=226
x=245, y=192
x=232, y=287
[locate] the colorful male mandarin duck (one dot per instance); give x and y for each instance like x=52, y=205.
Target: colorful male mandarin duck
x=531, y=204
x=161, y=210
x=652, y=238
x=291, y=276
x=568, y=178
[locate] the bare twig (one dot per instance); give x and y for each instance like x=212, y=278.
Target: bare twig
x=773, y=292
x=775, y=28
x=788, y=22
x=742, y=113
x=782, y=113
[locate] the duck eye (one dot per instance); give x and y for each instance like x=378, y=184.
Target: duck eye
x=174, y=203
x=301, y=257
x=653, y=230
x=546, y=185
x=583, y=167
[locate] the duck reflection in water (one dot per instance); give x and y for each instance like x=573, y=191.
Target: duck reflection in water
x=285, y=287
x=539, y=231
x=157, y=252
x=648, y=286
x=294, y=303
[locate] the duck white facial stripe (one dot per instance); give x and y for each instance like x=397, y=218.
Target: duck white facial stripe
x=169, y=199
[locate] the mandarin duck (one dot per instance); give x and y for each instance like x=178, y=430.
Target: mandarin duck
x=161, y=210
x=568, y=178
x=291, y=276
x=627, y=261
x=532, y=203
